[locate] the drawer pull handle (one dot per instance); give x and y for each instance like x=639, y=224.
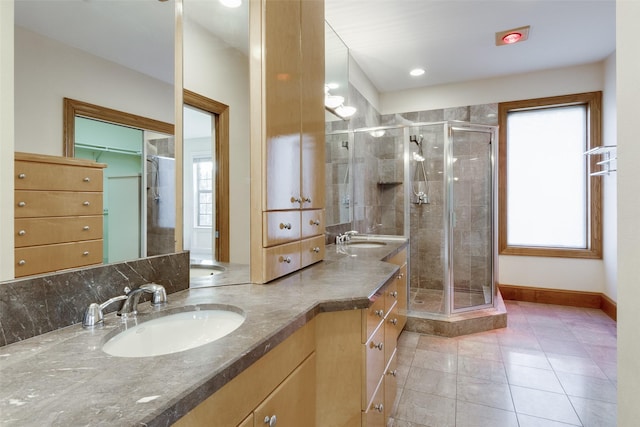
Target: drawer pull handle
x=85, y=228
x=316, y=250
x=86, y=203
x=307, y=199
x=295, y=200
x=270, y=420
x=21, y=233
x=22, y=176
x=379, y=346
x=286, y=226
x=85, y=253
x=393, y=321
x=22, y=204
x=379, y=407
x=379, y=313
x=394, y=294
x=22, y=262
x=393, y=373
x=285, y=259
x=315, y=222
x=86, y=179
x=400, y=276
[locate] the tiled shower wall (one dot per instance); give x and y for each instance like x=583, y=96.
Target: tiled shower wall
x=379, y=189
x=160, y=240
x=472, y=190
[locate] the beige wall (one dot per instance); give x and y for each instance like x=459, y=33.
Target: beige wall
x=628, y=94
x=47, y=71
x=6, y=140
x=220, y=72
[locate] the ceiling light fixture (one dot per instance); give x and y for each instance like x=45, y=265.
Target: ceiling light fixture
x=231, y=3
x=335, y=104
x=512, y=36
x=416, y=72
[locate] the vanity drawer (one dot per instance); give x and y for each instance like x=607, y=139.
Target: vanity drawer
x=29, y=204
x=391, y=332
x=42, y=259
x=280, y=227
x=391, y=383
x=373, y=316
x=374, y=363
x=391, y=293
x=48, y=230
x=312, y=223
x=51, y=176
x=374, y=414
x=281, y=260
x=312, y=250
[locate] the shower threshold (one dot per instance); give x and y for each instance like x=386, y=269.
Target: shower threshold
x=454, y=325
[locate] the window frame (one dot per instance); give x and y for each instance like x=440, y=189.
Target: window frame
x=593, y=102
x=198, y=191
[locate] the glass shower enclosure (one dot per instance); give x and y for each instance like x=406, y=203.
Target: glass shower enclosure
x=434, y=183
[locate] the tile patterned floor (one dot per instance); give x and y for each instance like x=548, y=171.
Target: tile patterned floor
x=553, y=366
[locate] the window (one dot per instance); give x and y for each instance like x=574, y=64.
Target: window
x=548, y=203
x=203, y=179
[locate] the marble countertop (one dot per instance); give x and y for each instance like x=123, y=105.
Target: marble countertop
x=63, y=378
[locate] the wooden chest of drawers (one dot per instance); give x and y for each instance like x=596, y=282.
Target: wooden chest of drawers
x=58, y=213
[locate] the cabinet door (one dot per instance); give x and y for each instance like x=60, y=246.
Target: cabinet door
x=312, y=104
x=292, y=403
x=282, y=115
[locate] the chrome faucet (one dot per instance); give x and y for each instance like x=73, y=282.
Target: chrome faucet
x=94, y=316
x=350, y=234
x=130, y=306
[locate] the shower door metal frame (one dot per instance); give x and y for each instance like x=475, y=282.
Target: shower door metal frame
x=449, y=214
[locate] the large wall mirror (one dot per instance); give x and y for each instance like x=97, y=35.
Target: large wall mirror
x=338, y=188
x=113, y=65
x=216, y=83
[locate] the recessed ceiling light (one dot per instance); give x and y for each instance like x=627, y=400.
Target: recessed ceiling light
x=231, y=3
x=417, y=72
x=512, y=36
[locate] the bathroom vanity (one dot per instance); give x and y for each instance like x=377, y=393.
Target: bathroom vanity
x=305, y=339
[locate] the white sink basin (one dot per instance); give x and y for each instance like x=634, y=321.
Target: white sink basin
x=174, y=333
x=366, y=244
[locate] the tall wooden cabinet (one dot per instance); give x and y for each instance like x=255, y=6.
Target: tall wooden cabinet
x=58, y=213
x=287, y=139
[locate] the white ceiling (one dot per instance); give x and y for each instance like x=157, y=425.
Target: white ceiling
x=452, y=39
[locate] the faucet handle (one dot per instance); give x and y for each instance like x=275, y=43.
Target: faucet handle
x=94, y=316
x=159, y=293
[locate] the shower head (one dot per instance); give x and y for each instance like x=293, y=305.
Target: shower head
x=419, y=155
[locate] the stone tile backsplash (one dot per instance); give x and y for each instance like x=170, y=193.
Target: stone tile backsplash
x=35, y=305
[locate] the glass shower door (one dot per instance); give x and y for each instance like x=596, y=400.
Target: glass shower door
x=471, y=201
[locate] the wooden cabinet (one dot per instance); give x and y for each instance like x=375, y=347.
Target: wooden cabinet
x=293, y=402
x=280, y=383
x=58, y=213
x=356, y=353
x=287, y=147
